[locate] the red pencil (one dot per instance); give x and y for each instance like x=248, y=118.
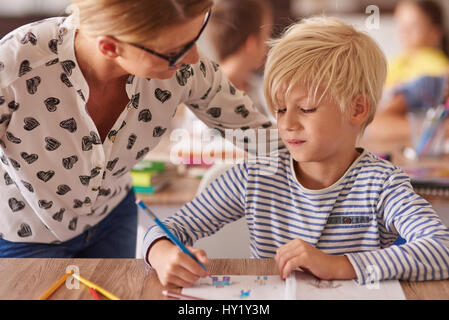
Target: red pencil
x=179, y=296
x=94, y=294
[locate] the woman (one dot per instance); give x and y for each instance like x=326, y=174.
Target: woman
x=81, y=102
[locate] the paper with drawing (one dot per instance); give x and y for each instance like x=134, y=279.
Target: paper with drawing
x=298, y=286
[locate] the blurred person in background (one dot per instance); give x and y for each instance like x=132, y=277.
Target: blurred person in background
x=421, y=32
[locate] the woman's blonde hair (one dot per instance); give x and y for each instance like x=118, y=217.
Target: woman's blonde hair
x=325, y=55
x=135, y=20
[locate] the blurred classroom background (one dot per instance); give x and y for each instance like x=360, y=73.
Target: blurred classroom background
x=166, y=187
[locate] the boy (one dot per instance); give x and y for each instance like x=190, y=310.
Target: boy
x=324, y=205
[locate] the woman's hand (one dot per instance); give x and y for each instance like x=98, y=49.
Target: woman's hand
x=174, y=267
x=298, y=253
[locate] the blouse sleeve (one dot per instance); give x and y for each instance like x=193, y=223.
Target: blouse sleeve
x=216, y=102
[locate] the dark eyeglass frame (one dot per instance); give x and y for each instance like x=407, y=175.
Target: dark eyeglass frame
x=174, y=59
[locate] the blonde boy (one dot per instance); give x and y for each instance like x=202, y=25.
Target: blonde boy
x=329, y=207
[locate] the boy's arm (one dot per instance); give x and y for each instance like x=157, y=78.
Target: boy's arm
x=223, y=201
x=425, y=256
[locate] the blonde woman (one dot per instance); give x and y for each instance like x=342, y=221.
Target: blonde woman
x=85, y=97
x=324, y=205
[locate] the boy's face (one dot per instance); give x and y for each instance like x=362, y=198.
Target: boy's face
x=314, y=133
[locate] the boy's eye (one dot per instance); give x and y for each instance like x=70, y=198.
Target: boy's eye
x=308, y=110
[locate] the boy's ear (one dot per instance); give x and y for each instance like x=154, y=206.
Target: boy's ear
x=360, y=110
x=108, y=46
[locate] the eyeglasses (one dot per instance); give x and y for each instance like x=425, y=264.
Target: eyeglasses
x=175, y=58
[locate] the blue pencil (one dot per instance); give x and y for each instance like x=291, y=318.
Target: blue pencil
x=170, y=235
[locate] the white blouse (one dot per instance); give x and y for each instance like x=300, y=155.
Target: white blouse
x=57, y=178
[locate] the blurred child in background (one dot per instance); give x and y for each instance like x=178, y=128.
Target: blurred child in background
x=421, y=34
x=237, y=34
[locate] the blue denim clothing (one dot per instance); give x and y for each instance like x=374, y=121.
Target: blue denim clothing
x=114, y=237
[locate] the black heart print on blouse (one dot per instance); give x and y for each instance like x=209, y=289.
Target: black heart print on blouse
x=44, y=204
x=29, y=37
x=52, y=62
x=242, y=111
x=62, y=189
x=87, y=142
x=29, y=158
x=30, y=123
x=32, y=84
x=51, y=144
x=214, y=112
x=67, y=66
x=69, y=124
x=145, y=115
x=66, y=80
x=59, y=215
x=5, y=118
x=8, y=180
x=12, y=138
x=203, y=68
x=45, y=175
x=14, y=163
x=24, y=231
x=84, y=180
x=142, y=153
x=13, y=105
x=162, y=95
x=104, y=192
x=111, y=164
x=53, y=45
x=204, y=97
x=158, y=131
x=184, y=73
x=24, y=67
x=131, y=140
x=16, y=205
x=27, y=185
x=266, y=125
x=69, y=162
x=231, y=89
x=51, y=103
x=72, y=223
x=135, y=100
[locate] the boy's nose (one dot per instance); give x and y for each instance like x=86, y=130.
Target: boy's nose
x=288, y=121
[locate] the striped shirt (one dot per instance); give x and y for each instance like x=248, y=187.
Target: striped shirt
x=360, y=216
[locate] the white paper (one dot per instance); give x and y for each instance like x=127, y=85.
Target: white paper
x=298, y=285
x=238, y=287
x=309, y=287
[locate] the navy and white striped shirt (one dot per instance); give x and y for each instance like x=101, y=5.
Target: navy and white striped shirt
x=360, y=215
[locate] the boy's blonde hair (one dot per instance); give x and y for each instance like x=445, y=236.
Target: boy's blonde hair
x=135, y=20
x=327, y=55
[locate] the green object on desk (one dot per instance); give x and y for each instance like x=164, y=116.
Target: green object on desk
x=144, y=190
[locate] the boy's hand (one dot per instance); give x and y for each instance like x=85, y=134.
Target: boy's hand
x=174, y=267
x=298, y=253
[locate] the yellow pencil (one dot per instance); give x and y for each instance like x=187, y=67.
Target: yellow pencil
x=92, y=285
x=55, y=286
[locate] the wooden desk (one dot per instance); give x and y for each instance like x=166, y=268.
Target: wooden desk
x=130, y=279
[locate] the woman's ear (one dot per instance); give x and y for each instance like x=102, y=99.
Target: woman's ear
x=108, y=46
x=360, y=110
